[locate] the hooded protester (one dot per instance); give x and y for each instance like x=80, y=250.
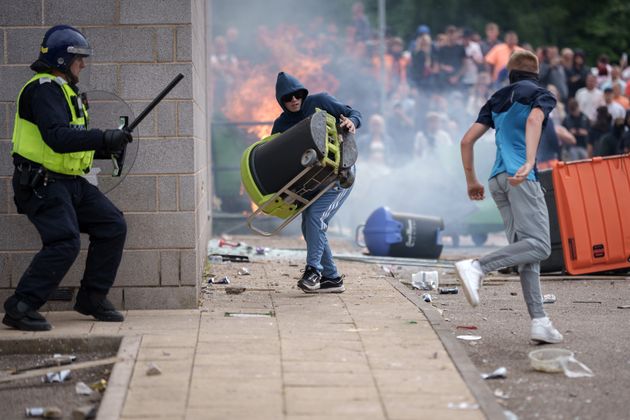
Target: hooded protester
x=300, y=105
x=320, y=274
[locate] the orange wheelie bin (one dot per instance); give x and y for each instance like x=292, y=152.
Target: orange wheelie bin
x=593, y=202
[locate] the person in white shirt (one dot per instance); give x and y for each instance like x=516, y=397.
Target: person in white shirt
x=614, y=108
x=473, y=60
x=590, y=98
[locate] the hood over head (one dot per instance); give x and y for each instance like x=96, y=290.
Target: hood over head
x=285, y=84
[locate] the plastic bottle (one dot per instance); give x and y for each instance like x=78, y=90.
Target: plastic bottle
x=44, y=412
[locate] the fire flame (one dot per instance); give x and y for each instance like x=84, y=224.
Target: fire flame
x=253, y=97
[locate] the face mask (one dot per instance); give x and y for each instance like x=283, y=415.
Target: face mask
x=518, y=75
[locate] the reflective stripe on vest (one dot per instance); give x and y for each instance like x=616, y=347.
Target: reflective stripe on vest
x=28, y=141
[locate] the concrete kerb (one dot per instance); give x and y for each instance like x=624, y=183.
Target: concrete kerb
x=470, y=374
x=112, y=403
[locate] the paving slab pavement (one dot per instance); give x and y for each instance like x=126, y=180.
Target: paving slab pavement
x=369, y=353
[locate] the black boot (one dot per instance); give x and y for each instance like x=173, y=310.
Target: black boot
x=98, y=306
x=21, y=316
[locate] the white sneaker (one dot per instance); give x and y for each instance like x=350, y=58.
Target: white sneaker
x=544, y=331
x=470, y=276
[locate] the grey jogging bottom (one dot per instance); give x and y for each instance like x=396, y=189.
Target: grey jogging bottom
x=526, y=221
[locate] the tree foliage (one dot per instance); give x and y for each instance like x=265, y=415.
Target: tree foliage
x=599, y=27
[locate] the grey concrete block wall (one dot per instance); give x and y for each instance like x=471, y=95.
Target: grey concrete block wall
x=84, y=12
x=4, y=121
x=20, y=13
x=2, y=35
x=139, y=46
x=21, y=47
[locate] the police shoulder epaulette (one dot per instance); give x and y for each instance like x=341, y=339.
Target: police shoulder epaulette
x=43, y=80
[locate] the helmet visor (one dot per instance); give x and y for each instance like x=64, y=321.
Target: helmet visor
x=80, y=50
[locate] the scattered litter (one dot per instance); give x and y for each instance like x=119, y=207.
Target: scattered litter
x=222, y=280
x=223, y=242
x=84, y=412
x=234, y=290
x=463, y=406
x=57, y=377
x=54, y=369
x=56, y=360
x=261, y=250
x=499, y=373
x=513, y=294
x=215, y=259
x=435, y=355
x=153, y=369
x=64, y=359
x=500, y=394
x=412, y=322
x=99, y=386
x=243, y=271
x=506, y=309
x=389, y=270
x=549, y=298
x=623, y=307
x=82, y=389
x=469, y=337
x=466, y=327
x=558, y=360
x=425, y=280
x=427, y=297
x=448, y=290
x=361, y=330
x=227, y=257
x=269, y=314
x=44, y=412
x=509, y=415
x=587, y=301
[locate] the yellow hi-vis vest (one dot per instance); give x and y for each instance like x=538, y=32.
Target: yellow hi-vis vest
x=28, y=141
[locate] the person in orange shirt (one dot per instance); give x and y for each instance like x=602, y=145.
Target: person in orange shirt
x=619, y=98
x=498, y=57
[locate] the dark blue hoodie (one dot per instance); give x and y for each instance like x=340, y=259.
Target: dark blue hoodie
x=286, y=84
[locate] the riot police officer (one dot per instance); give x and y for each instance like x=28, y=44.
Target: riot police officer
x=52, y=149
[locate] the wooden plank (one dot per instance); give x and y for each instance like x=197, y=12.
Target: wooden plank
x=74, y=366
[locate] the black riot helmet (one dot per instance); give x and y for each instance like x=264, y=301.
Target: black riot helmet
x=61, y=44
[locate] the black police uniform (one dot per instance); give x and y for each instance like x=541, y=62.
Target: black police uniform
x=61, y=206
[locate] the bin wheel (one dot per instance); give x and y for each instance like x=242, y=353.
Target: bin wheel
x=479, y=238
x=309, y=158
x=347, y=177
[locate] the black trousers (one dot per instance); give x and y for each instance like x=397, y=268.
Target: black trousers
x=60, y=210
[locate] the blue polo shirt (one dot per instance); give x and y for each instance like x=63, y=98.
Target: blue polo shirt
x=507, y=111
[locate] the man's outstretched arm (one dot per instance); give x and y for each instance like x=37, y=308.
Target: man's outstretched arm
x=475, y=188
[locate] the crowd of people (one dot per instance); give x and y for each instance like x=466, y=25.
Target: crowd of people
x=436, y=85
x=436, y=82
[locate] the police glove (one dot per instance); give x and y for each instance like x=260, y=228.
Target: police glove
x=115, y=140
